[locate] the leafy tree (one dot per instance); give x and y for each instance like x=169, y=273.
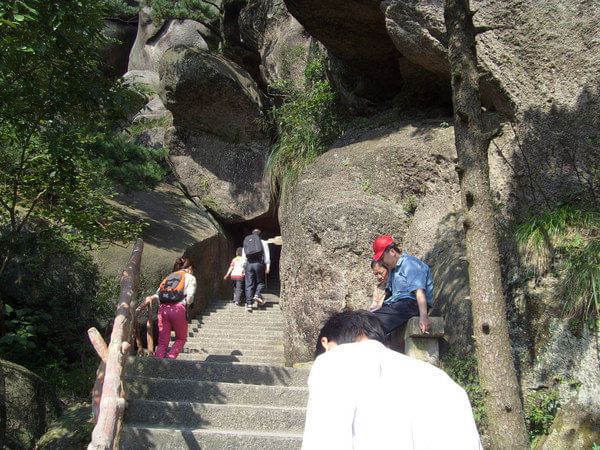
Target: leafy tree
x=185, y=9
x=57, y=114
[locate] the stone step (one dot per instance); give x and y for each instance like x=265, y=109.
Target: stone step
x=243, y=322
x=224, y=349
x=229, y=306
x=256, y=343
x=248, y=328
x=214, y=392
x=218, y=372
x=142, y=438
x=209, y=415
x=274, y=360
x=241, y=313
x=227, y=328
x=203, y=333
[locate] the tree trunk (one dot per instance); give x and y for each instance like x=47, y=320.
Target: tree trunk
x=496, y=368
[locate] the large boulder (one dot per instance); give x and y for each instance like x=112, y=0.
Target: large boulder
x=149, y=125
x=30, y=404
x=354, y=33
x=175, y=226
x=575, y=426
x=395, y=178
x=281, y=42
x=154, y=37
x=218, y=146
x=540, y=69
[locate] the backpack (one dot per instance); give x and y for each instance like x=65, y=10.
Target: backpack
x=253, y=245
x=172, y=287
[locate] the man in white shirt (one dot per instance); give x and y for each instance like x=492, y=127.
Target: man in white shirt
x=364, y=396
x=258, y=264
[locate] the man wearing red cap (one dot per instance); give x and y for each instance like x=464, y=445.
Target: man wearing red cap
x=410, y=283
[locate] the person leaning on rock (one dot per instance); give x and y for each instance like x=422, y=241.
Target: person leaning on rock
x=410, y=284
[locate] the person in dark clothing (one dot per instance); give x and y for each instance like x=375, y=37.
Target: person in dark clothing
x=258, y=265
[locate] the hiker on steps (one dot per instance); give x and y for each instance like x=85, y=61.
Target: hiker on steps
x=236, y=271
x=410, y=283
x=175, y=294
x=258, y=265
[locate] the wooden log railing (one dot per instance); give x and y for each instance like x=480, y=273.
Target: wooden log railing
x=108, y=395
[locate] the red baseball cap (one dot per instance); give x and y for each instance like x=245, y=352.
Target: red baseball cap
x=380, y=244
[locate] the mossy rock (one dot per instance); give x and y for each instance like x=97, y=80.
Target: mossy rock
x=72, y=430
x=575, y=426
x=31, y=405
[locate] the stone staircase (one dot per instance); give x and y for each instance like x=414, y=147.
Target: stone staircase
x=229, y=388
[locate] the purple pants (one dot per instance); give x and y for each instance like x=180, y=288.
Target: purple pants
x=171, y=317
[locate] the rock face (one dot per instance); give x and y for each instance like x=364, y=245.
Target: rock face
x=207, y=111
x=116, y=54
x=354, y=32
x=30, y=406
x=540, y=64
x=281, y=42
x=218, y=149
x=155, y=37
x=175, y=226
x=574, y=427
x=362, y=187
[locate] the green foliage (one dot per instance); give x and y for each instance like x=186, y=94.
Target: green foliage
x=540, y=409
x=57, y=121
x=463, y=370
x=410, y=204
x=199, y=10
x=567, y=239
x=305, y=123
x=121, y=9
x=133, y=166
x=51, y=294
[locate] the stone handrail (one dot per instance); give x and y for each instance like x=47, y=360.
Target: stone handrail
x=108, y=392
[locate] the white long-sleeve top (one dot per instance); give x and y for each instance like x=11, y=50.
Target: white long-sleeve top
x=364, y=396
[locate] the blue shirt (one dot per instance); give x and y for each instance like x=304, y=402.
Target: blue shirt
x=409, y=275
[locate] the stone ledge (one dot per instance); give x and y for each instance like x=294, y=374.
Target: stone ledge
x=411, y=329
x=409, y=340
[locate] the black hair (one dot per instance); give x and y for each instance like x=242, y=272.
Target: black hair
x=378, y=262
x=392, y=246
x=346, y=326
x=181, y=263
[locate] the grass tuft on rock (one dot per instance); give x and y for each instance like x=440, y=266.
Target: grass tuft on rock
x=305, y=122
x=567, y=240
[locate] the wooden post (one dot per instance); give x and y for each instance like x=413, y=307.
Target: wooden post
x=102, y=351
x=111, y=403
x=150, y=329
